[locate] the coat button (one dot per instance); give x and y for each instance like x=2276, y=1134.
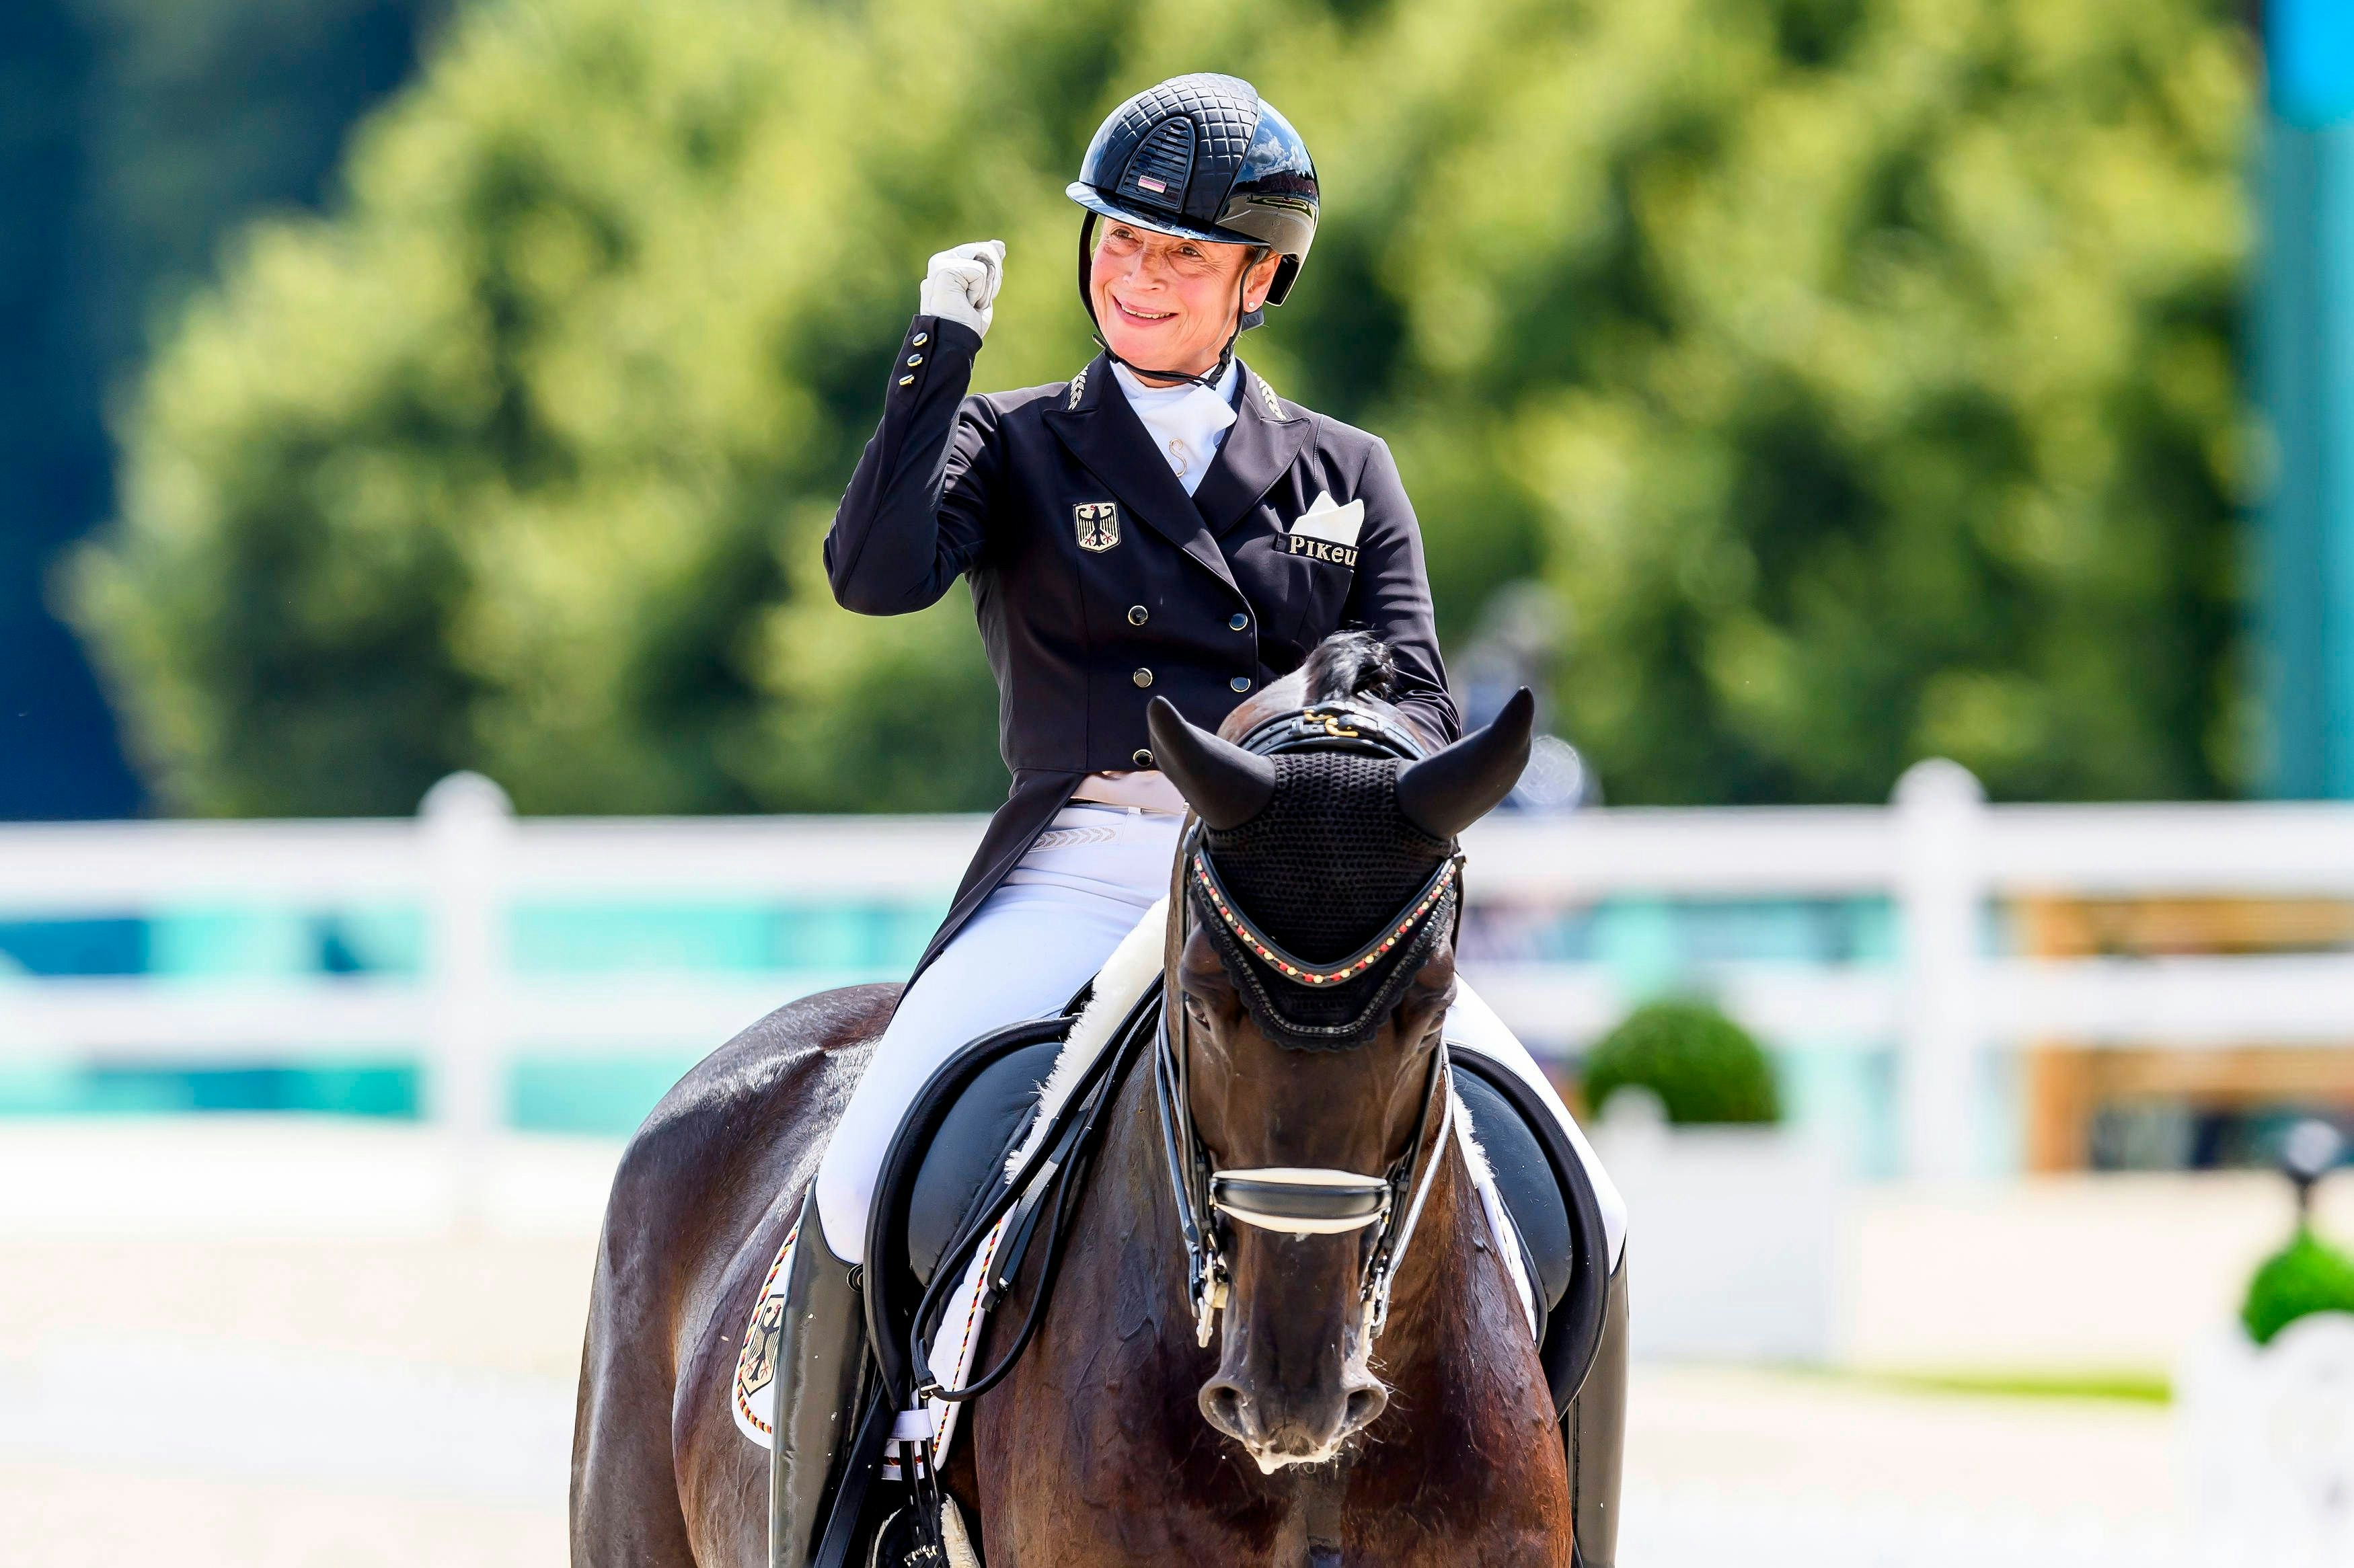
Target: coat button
x=920, y=339
x=1240, y=682
x=1142, y=677
x=1140, y=756
x=1137, y=614
x=1239, y=621
x=915, y=359
x=906, y=381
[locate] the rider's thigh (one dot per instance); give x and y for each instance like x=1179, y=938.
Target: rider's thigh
x=1473, y=1022
x=1034, y=942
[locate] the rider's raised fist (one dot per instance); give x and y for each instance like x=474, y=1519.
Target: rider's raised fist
x=961, y=285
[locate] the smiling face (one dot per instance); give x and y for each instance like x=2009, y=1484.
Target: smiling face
x=1170, y=303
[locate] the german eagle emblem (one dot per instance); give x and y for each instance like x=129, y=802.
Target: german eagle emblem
x=1098, y=523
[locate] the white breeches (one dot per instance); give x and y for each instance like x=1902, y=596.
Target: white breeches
x=1037, y=939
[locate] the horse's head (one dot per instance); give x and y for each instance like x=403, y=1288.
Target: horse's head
x=1318, y=965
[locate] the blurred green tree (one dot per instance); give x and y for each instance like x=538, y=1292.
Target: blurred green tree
x=1859, y=372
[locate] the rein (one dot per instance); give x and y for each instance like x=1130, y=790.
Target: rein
x=1294, y=1200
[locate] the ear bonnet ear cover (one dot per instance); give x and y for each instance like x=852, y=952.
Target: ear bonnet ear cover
x=1225, y=785
x=1445, y=793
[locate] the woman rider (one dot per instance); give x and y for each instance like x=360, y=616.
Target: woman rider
x=1161, y=524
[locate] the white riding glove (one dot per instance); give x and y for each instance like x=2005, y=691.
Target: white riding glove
x=961, y=285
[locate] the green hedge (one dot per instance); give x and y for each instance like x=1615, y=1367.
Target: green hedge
x=1703, y=1067
x=2306, y=1277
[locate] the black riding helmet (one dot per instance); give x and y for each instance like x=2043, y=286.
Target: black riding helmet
x=1202, y=157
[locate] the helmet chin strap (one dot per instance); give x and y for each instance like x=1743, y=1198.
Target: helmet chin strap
x=1245, y=319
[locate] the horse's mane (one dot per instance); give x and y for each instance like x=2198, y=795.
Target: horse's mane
x=1349, y=664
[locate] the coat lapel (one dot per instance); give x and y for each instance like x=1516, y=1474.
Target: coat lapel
x=1103, y=432
x=1258, y=449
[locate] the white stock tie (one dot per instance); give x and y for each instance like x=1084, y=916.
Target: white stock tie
x=1187, y=422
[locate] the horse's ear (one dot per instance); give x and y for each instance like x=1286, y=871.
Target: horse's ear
x=1447, y=792
x=1225, y=785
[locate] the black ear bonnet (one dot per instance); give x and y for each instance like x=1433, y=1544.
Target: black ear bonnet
x=1328, y=869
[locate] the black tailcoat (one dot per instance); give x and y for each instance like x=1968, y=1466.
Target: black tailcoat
x=1100, y=584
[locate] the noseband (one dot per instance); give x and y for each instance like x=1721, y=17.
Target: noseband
x=1293, y=1200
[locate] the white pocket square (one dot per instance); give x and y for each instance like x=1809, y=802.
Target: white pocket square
x=1333, y=523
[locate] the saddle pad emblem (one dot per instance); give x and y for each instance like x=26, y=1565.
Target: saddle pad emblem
x=1097, y=525
x=757, y=1362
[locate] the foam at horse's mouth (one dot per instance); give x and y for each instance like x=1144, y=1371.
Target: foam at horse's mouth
x=1271, y=1457
x=1270, y=1460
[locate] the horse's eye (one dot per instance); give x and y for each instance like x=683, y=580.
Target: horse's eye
x=1197, y=1010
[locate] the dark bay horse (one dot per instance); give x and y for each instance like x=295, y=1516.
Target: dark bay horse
x=1292, y=1436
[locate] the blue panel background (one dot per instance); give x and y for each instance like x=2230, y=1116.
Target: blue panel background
x=2309, y=54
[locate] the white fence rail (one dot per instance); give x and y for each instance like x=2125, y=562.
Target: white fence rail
x=1937, y=850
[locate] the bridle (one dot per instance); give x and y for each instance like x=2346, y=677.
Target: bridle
x=1293, y=1200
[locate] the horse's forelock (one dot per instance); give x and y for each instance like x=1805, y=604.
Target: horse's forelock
x=1355, y=666
x=1349, y=664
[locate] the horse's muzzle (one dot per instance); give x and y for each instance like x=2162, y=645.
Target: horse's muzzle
x=1278, y=1427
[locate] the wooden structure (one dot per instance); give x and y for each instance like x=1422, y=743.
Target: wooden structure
x=2066, y=1084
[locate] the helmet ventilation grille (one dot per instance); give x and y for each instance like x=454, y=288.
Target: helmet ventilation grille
x=1158, y=174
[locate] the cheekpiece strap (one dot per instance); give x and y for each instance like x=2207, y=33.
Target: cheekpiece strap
x=1298, y=970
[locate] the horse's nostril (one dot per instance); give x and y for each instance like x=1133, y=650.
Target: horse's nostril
x=1364, y=1404
x=1222, y=1407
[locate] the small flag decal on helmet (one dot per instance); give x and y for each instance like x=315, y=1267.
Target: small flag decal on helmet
x=1158, y=188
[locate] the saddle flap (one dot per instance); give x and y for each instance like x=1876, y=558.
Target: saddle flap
x=902, y=1188
x=1524, y=1180
x=1551, y=1200
x=966, y=1154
